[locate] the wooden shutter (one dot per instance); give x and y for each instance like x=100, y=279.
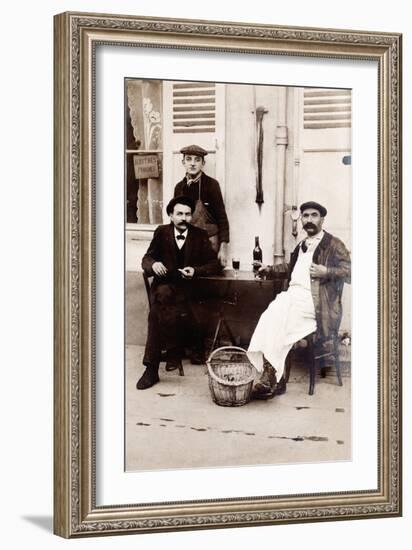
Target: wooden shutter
x=327, y=108
x=194, y=107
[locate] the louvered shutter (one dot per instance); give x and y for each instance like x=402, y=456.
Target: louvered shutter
x=327, y=108
x=194, y=107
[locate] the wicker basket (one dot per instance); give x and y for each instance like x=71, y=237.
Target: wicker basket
x=231, y=376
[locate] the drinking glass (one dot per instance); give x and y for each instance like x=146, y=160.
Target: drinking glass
x=236, y=265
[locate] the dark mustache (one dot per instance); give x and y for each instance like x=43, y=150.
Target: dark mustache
x=309, y=225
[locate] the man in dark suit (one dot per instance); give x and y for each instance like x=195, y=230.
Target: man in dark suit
x=178, y=253
x=210, y=213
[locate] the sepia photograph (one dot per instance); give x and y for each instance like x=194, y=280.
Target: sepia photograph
x=238, y=239
x=227, y=274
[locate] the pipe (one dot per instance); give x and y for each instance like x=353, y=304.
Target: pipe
x=281, y=140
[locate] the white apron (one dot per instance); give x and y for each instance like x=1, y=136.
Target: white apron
x=289, y=318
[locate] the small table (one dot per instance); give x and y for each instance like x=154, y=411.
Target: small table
x=230, y=283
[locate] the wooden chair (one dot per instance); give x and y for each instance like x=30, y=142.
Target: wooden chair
x=148, y=283
x=316, y=355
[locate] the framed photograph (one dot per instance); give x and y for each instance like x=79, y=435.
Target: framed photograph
x=227, y=274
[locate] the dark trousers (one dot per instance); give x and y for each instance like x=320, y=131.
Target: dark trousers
x=172, y=323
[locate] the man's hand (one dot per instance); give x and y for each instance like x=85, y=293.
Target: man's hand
x=264, y=270
x=222, y=254
x=159, y=269
x=318, y=271
x=187, y=272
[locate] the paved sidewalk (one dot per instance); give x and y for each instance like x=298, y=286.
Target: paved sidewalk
x=175, y=424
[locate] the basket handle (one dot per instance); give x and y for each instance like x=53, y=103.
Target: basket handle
x=213, y=375
x=225, y=348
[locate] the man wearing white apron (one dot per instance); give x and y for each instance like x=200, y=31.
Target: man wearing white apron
x=319, y=266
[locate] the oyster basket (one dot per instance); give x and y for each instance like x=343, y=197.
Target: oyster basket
x=231, y=376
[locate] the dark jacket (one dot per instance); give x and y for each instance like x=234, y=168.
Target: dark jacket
x=211, y=196
x=326, y=292
x=198, y=254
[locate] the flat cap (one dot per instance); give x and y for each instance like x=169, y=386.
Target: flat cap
x=316, y=206
x=193, y=150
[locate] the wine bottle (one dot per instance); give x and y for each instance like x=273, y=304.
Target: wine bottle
x=257, y=255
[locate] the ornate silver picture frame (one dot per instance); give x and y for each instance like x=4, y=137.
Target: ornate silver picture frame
x=80, y=507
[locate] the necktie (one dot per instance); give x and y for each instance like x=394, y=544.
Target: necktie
x=304, y=246
x=180, y=237
x=189, y=180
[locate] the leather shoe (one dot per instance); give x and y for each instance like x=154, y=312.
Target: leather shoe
x=281, y=386
x=173, y=364
x=267, y=381
x=262, y=394
x=149, y=378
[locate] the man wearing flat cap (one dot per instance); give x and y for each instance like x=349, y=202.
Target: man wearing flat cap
x=210, y=213
x=178, y=253
x=318, y=268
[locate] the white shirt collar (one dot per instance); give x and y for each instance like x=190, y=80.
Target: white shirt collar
x=316, y=237
x=190, y=180
x=180, y=242
x=179, y=233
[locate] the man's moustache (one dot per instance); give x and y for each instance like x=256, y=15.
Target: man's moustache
x=309, y=226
